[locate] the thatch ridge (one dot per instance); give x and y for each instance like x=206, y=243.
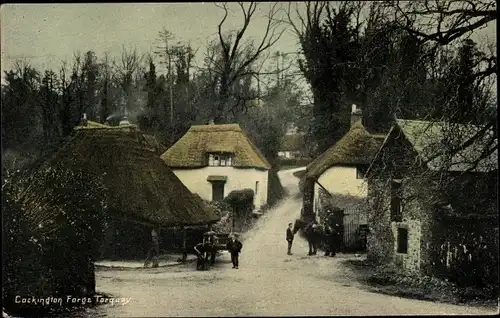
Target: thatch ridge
x=96, y=125
x=190, y=151
x=140, y=187
x=358, y=146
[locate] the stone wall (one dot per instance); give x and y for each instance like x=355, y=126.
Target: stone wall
x=410, y=260
x=417, y=218
x=380, y=241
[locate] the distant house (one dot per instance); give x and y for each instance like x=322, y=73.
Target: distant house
x=213, y=160
x=111, y=178
x=292, y=146
x=336, y=179
x=432, y=208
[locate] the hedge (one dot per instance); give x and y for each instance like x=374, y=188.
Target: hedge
x=300, y=162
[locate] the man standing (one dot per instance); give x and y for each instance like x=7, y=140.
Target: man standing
x=289, y=238
x=234, y=247
x=154, y=251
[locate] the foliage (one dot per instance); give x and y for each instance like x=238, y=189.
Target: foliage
x=394, y=65
x=329, y=47
x=223, y=209
x=240, y=199
x=50, y=242
x=293, y=162
x=236, y=58
x=275, y=190
x=428, y=287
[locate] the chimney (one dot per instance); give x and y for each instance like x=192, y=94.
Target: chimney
x=356, y=114
x=84, y=120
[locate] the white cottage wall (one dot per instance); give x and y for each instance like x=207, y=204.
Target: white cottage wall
x=341, y=180
x=237, y=179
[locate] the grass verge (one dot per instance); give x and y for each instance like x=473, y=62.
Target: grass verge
x=390, y=280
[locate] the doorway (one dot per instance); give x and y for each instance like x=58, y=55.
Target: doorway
x=217, y=190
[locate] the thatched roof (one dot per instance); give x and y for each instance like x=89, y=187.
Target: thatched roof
x=358, y=146
x=140, y=187
x=292, y=142
x=191, y=150
x=150, y=141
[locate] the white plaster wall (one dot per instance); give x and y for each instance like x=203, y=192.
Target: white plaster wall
x=196, y=181
x=284, y=154
x=341, y=180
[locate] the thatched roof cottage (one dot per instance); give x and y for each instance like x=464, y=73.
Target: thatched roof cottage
x=140, y=186
x=213, y=160
x=62, y=206
x=336, y=177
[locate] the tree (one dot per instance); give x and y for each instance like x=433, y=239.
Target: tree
x=153, y=119
x=238, y=56
x=165, y=51
x=90, y=76
x=73, y=96
x=105, y=103
x=465, y=97
x=329, y=43
x=49, y=98
x=444, y=23
x=126, y=72
x=21, y=123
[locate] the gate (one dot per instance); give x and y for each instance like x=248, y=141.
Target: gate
x=354, y=236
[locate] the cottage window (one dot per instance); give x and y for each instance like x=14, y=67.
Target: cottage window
x=361, y=171
x=396, y=208
x=402, y=240
x=256, y=187
x=220, y=159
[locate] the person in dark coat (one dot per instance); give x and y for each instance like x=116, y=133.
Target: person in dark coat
x=212, y=240
x=154, y=251
x=202, y=250
x=234, y=247
x=289, y=238
x=330, y=241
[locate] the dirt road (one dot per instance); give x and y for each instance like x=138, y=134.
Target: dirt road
x=268, y=282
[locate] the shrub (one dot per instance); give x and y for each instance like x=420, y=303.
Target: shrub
x=223, y=209
x=51, y=234
x=241, y=202
x=275, y=191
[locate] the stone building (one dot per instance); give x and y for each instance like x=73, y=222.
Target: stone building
x=432, y=209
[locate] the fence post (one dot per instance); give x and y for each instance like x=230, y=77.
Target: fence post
x=184, y=245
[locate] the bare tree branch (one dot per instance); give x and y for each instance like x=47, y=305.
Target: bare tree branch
x=233, y=57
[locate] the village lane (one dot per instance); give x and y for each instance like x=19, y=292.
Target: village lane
x=268, y=282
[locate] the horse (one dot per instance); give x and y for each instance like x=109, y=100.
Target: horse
x=313, y=232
